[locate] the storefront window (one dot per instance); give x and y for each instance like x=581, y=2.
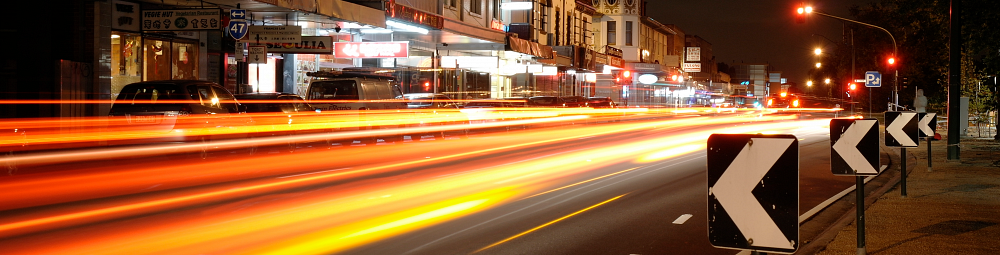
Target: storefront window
x=166, y=60
x=126, y=60
x=305, y=63
x=157, y=56
x=185, y=61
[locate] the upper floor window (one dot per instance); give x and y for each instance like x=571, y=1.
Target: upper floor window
x=612, y=32
x=476, y=6
x=628, y=33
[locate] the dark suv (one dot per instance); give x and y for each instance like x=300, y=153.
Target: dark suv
x=178, y=110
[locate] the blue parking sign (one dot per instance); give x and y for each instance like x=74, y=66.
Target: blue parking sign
x=873, y=79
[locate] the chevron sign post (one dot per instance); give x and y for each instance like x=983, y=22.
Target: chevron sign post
x=927, y=125
x=753, y=192
x=854, y=145
x=855, y=151
x=901, y=131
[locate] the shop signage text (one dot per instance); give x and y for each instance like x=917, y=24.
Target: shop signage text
x=692, y=67
x=183, y=19
x=372, y=49
x=125, y=16
x=309, y=45
x=274, y=34
x=415, y=16
x=693, y=54
x=258, y=54
x=612, y=51
x=616, y=61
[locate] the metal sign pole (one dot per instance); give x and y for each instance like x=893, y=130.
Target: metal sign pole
x=929, y=139
x=902, y=185
x=860, y=194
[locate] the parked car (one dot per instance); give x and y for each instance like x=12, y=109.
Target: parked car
x=274, y=102
x=575, y=101
x=497, y=103
x=601, y=102
x=354, y=91
x=429, y=101
x=358, y=92
x=177, y=111
x=432, y=109
x=546, y=101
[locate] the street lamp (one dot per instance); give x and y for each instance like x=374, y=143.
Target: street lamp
x=809, y=83
x=818, y=51
x=802, y=11
x=818, y=64
x=827, y=81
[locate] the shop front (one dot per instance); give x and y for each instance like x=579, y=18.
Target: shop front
x=150, y=45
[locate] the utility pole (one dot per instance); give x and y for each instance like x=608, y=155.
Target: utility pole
x=954, y=81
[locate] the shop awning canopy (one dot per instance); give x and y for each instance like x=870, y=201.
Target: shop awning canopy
x=296, y=10
x=528, y=47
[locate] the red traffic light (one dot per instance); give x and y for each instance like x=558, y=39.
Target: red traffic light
x=853, y=86
x=627, y=74
x=800, y=16
x=892, y=61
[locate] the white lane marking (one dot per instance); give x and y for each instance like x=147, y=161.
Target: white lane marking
x=682, y=219
x=315, y=172
x=834, y=198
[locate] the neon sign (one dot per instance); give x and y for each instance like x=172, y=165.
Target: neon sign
x=498, y=25
x=371, y=49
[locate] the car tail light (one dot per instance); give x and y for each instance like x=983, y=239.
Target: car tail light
x=770, y=101
x=795, y=103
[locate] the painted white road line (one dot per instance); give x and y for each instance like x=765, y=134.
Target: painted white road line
x=682, y=219
x=834, y=198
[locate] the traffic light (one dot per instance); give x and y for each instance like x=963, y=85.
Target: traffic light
x=892, y=61
x=801, y=12
x=906, y=81
x=853, y=86
x=624, y=77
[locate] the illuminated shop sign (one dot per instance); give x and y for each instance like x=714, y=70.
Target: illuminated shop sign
x=309, y=45
x=411, y=15
x=371, y=49
x=498, y=25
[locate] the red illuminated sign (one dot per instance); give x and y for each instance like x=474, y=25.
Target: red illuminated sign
x=497, y=25
x=371, y=49
x=411, y=15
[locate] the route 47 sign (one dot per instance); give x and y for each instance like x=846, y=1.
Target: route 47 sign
x=753, y=192
x=237, y=24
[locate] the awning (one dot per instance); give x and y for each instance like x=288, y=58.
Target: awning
x=528, y=47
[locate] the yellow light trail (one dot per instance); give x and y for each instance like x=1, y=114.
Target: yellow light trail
x=548, y=223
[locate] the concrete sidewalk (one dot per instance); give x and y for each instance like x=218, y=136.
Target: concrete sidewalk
x=955, y=209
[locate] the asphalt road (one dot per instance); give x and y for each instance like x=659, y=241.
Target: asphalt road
x=635, y=187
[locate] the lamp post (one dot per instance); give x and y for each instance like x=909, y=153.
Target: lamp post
x=895, y=90
x=819, y=52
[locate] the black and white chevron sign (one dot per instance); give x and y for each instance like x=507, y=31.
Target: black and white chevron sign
x=901, y=129
x=855, y=149
x=753, y=192
x=927, y=124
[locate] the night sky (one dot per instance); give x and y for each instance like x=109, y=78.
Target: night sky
x=755, y=31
